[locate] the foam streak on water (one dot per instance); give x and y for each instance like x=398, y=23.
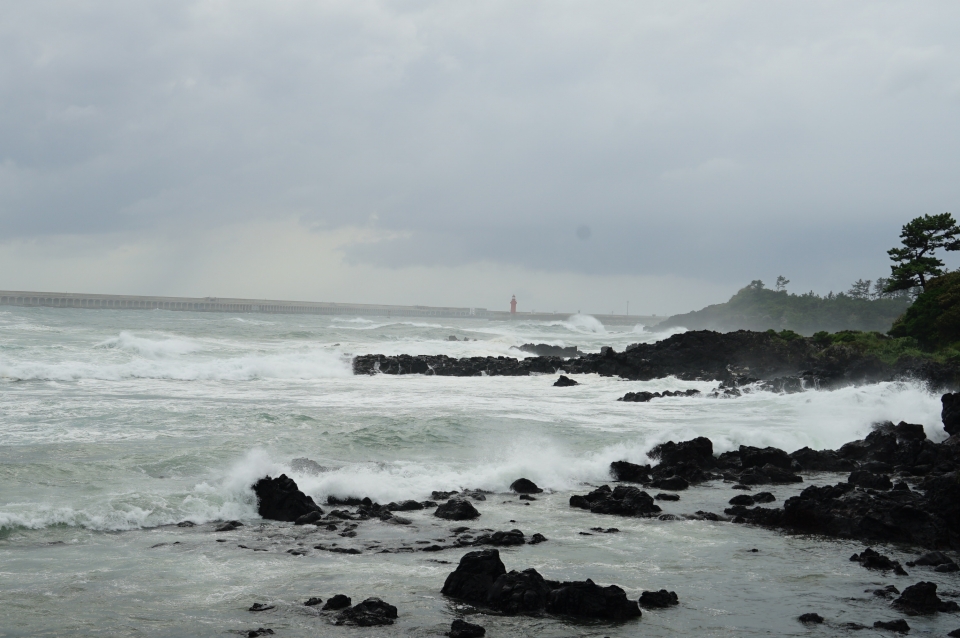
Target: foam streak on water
x=115, y=425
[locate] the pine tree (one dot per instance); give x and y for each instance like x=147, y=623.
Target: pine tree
x=921, y=237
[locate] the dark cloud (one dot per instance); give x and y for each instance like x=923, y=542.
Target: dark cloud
x=714, y=140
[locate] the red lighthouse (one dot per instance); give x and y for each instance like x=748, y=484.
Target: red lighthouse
x=513, y=305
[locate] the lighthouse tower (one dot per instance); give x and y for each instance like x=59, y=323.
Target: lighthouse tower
x=513, y=305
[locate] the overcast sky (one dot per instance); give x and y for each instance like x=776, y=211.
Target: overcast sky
x=577, y=154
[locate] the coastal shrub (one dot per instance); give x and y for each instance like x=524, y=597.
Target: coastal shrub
x=934, y=318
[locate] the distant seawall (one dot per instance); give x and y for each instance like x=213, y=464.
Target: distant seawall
x=273, y=306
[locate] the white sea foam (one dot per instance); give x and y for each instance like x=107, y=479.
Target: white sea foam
x=151, y=348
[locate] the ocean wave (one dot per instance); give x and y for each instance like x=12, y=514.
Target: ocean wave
x=317, y=364
x=151, y=348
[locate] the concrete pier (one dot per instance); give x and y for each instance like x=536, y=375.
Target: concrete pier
x=273, y=306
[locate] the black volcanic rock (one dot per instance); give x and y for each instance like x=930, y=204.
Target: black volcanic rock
x=339, y=601
x=658, y=599
x=871, y=559
x=864, y=478
x=622, y=500
x=811, y=618
x=501, y=539
x=481, y=579
x=474, y=576
x=525, y=486
x=698, y=451
x=759, y=457
x=951, y=413
x=372, y=612
x=899, y=625
x=463, y=629
x=279, y=499
x=457, y=509
x=565, y=382
x=546, y=350
x=821, y=461
x=589, y=600
x=630, y=472
x=922, y=599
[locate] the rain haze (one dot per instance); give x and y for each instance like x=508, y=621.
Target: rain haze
x=579, y=155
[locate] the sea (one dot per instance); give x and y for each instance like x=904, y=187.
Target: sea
x=115, y=426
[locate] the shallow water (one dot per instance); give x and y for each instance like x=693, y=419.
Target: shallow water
x=114, y=425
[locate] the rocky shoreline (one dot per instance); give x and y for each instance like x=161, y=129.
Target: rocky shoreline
x=901, y=489
x=734, y=358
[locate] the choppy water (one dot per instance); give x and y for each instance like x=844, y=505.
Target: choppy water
x=116, y=425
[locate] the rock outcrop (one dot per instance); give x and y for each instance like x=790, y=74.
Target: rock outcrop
x=482, y=579
x=279, y=499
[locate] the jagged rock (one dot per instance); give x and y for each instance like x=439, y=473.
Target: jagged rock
x=372, y=612
x=821, y=461
x=760, y=457
x=698, y=451
x=922, y=599
x=887, y=592
x=767, y=475
x=474, y=576
x=457, y=510
x=630, y=472
x=518, y=592
x=951, y=413
x=526, y=497
x=742, y=499
x=229, y=526
x=899, y=625
x=811, y=619
x=501, y=539
x=764, y=497
x=589, y=600
x=463, y=629
x=871, y=559
x=525, y=486
x=565, y=382
x=537, y=539
x=658, y=599
x=337, y=602
x=623, y=500
x=863, y=478
x=279, y=499
x=671, y=483
x=313, y=601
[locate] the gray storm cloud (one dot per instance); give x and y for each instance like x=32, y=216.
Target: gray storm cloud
x=710, y=141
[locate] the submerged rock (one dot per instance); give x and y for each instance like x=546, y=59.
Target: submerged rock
x=658, y=599
x=811, y=618
x=899, y=625
x=589, y=600
x=501, y=539
x=457, y=509
x=462, y=629
x=565, y=382
x=279, y=499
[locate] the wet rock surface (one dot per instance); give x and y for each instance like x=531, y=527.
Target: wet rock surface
x=565, y=382
x=457, y=509
x=871, y=559
x=733, y=358
x=622, y=500
x=280, y=499
x=372, y=612
x=922, y=599
x=658, y=599
x=463, y=629
x=482, y=579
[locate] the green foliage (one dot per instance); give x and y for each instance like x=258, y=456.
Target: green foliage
x=887, y=349
x=914, y=264
x=758, y=308
x=934, y=318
